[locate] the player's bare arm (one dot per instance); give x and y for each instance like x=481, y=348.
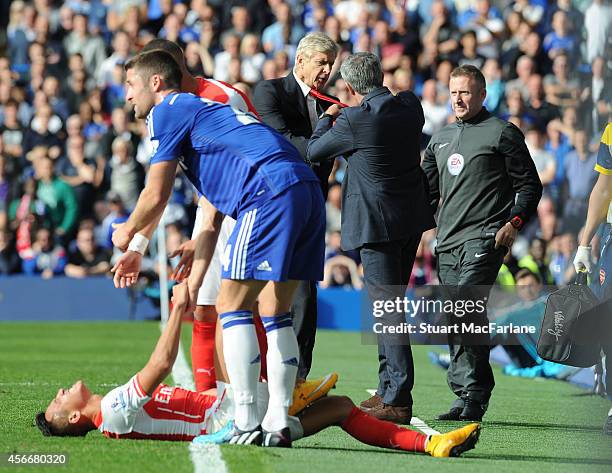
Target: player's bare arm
x=162, y=359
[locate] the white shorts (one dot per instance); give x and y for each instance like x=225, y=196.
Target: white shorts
x=207, y=295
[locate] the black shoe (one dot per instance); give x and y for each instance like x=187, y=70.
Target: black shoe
x=280, y=438
x=245, y=437
x=473, y=411
x=453, y=414
x=608, y=426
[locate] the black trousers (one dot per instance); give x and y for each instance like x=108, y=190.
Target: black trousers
x=304, y=313
x=468, y=272
x=387, y=267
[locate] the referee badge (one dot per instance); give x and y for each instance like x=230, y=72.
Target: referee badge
x=455, y=164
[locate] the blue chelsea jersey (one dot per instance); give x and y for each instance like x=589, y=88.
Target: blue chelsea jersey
x=230, y=157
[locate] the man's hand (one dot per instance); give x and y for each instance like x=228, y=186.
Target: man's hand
x=183, y=268
x=506, y=236
x=121, y=236
x=334, y=110
x=180, y=297
x=582, y=260
x=126, y=269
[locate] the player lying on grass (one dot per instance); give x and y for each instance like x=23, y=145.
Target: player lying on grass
x=143, y=408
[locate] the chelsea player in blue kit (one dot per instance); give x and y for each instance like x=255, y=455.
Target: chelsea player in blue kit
x=248, y=171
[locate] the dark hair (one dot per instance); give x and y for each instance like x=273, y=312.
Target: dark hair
x=472, y=72
x=50, y=430
x=525, y=273
x=43, y=425
x=157, y=62
x=170, y=47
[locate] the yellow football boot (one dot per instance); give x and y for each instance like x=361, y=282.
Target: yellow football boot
x=311, y=390
x=453, y=443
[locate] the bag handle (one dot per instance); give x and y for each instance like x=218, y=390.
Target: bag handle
x=581, y=278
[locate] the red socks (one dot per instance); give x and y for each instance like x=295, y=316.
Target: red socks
x=370, y=430
x=203, y=355
x=263, y=347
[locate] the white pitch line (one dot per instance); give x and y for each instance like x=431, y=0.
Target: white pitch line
x=206, y=458
x=415, y=421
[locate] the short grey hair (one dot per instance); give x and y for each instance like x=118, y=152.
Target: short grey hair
x=316, y=42
x=363, y=72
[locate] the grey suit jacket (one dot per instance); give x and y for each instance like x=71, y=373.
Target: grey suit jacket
x=384, y=192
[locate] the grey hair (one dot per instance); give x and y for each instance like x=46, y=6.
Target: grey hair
x=316, y=42
x=363, y=72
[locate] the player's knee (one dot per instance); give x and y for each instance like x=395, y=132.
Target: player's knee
x=205, y=313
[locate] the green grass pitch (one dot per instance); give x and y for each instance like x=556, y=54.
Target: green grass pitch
x=532, y=425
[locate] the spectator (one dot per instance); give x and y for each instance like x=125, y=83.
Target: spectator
x=252, y=59
x=333, y=208
x=580, y=175
x=51, y=88
x=436, y=115
x=441, y=38
x=598, y=18
x=537, y=106
x=560, y=40
x=495, y=85
x=341, y=271
x=231, y=51
x=39, y=133
x=284, y=31
x=9, y=261
x=90, y=46
x=119, y=128
x=46, y=258
x=126, y=174
x=561, y=88
x=525, y=68
x=536, y=261
x=80, y=173
x=544, y=161
x=562, y=255
x=58, y=197
x=121, y=52
x=87, y=259
x=75, y=91
x=12, y=130
x=468, y=53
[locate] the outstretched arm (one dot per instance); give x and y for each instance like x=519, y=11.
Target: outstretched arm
x=162, y=359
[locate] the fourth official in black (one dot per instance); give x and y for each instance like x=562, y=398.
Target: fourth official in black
x=481, y=175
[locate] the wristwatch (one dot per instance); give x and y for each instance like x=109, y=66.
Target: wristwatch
x=517, y=222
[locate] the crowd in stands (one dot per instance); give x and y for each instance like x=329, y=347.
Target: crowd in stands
x=73, y=159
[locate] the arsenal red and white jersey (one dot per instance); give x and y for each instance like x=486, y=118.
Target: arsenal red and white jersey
x=171, y=413
x=223, y=92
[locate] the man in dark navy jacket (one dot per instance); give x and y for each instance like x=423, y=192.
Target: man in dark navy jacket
x=385, y=207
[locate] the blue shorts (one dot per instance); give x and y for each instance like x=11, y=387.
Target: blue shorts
x=279, y=239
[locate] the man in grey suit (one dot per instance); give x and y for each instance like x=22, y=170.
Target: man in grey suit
x=385, y=207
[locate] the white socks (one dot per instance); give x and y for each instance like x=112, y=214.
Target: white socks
x=282, y=361
x=243, y=362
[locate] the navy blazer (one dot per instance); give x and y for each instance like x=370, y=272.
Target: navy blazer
x=281, y=104
x=384, y=192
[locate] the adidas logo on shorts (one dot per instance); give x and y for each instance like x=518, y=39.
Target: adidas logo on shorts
x=264, y=266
